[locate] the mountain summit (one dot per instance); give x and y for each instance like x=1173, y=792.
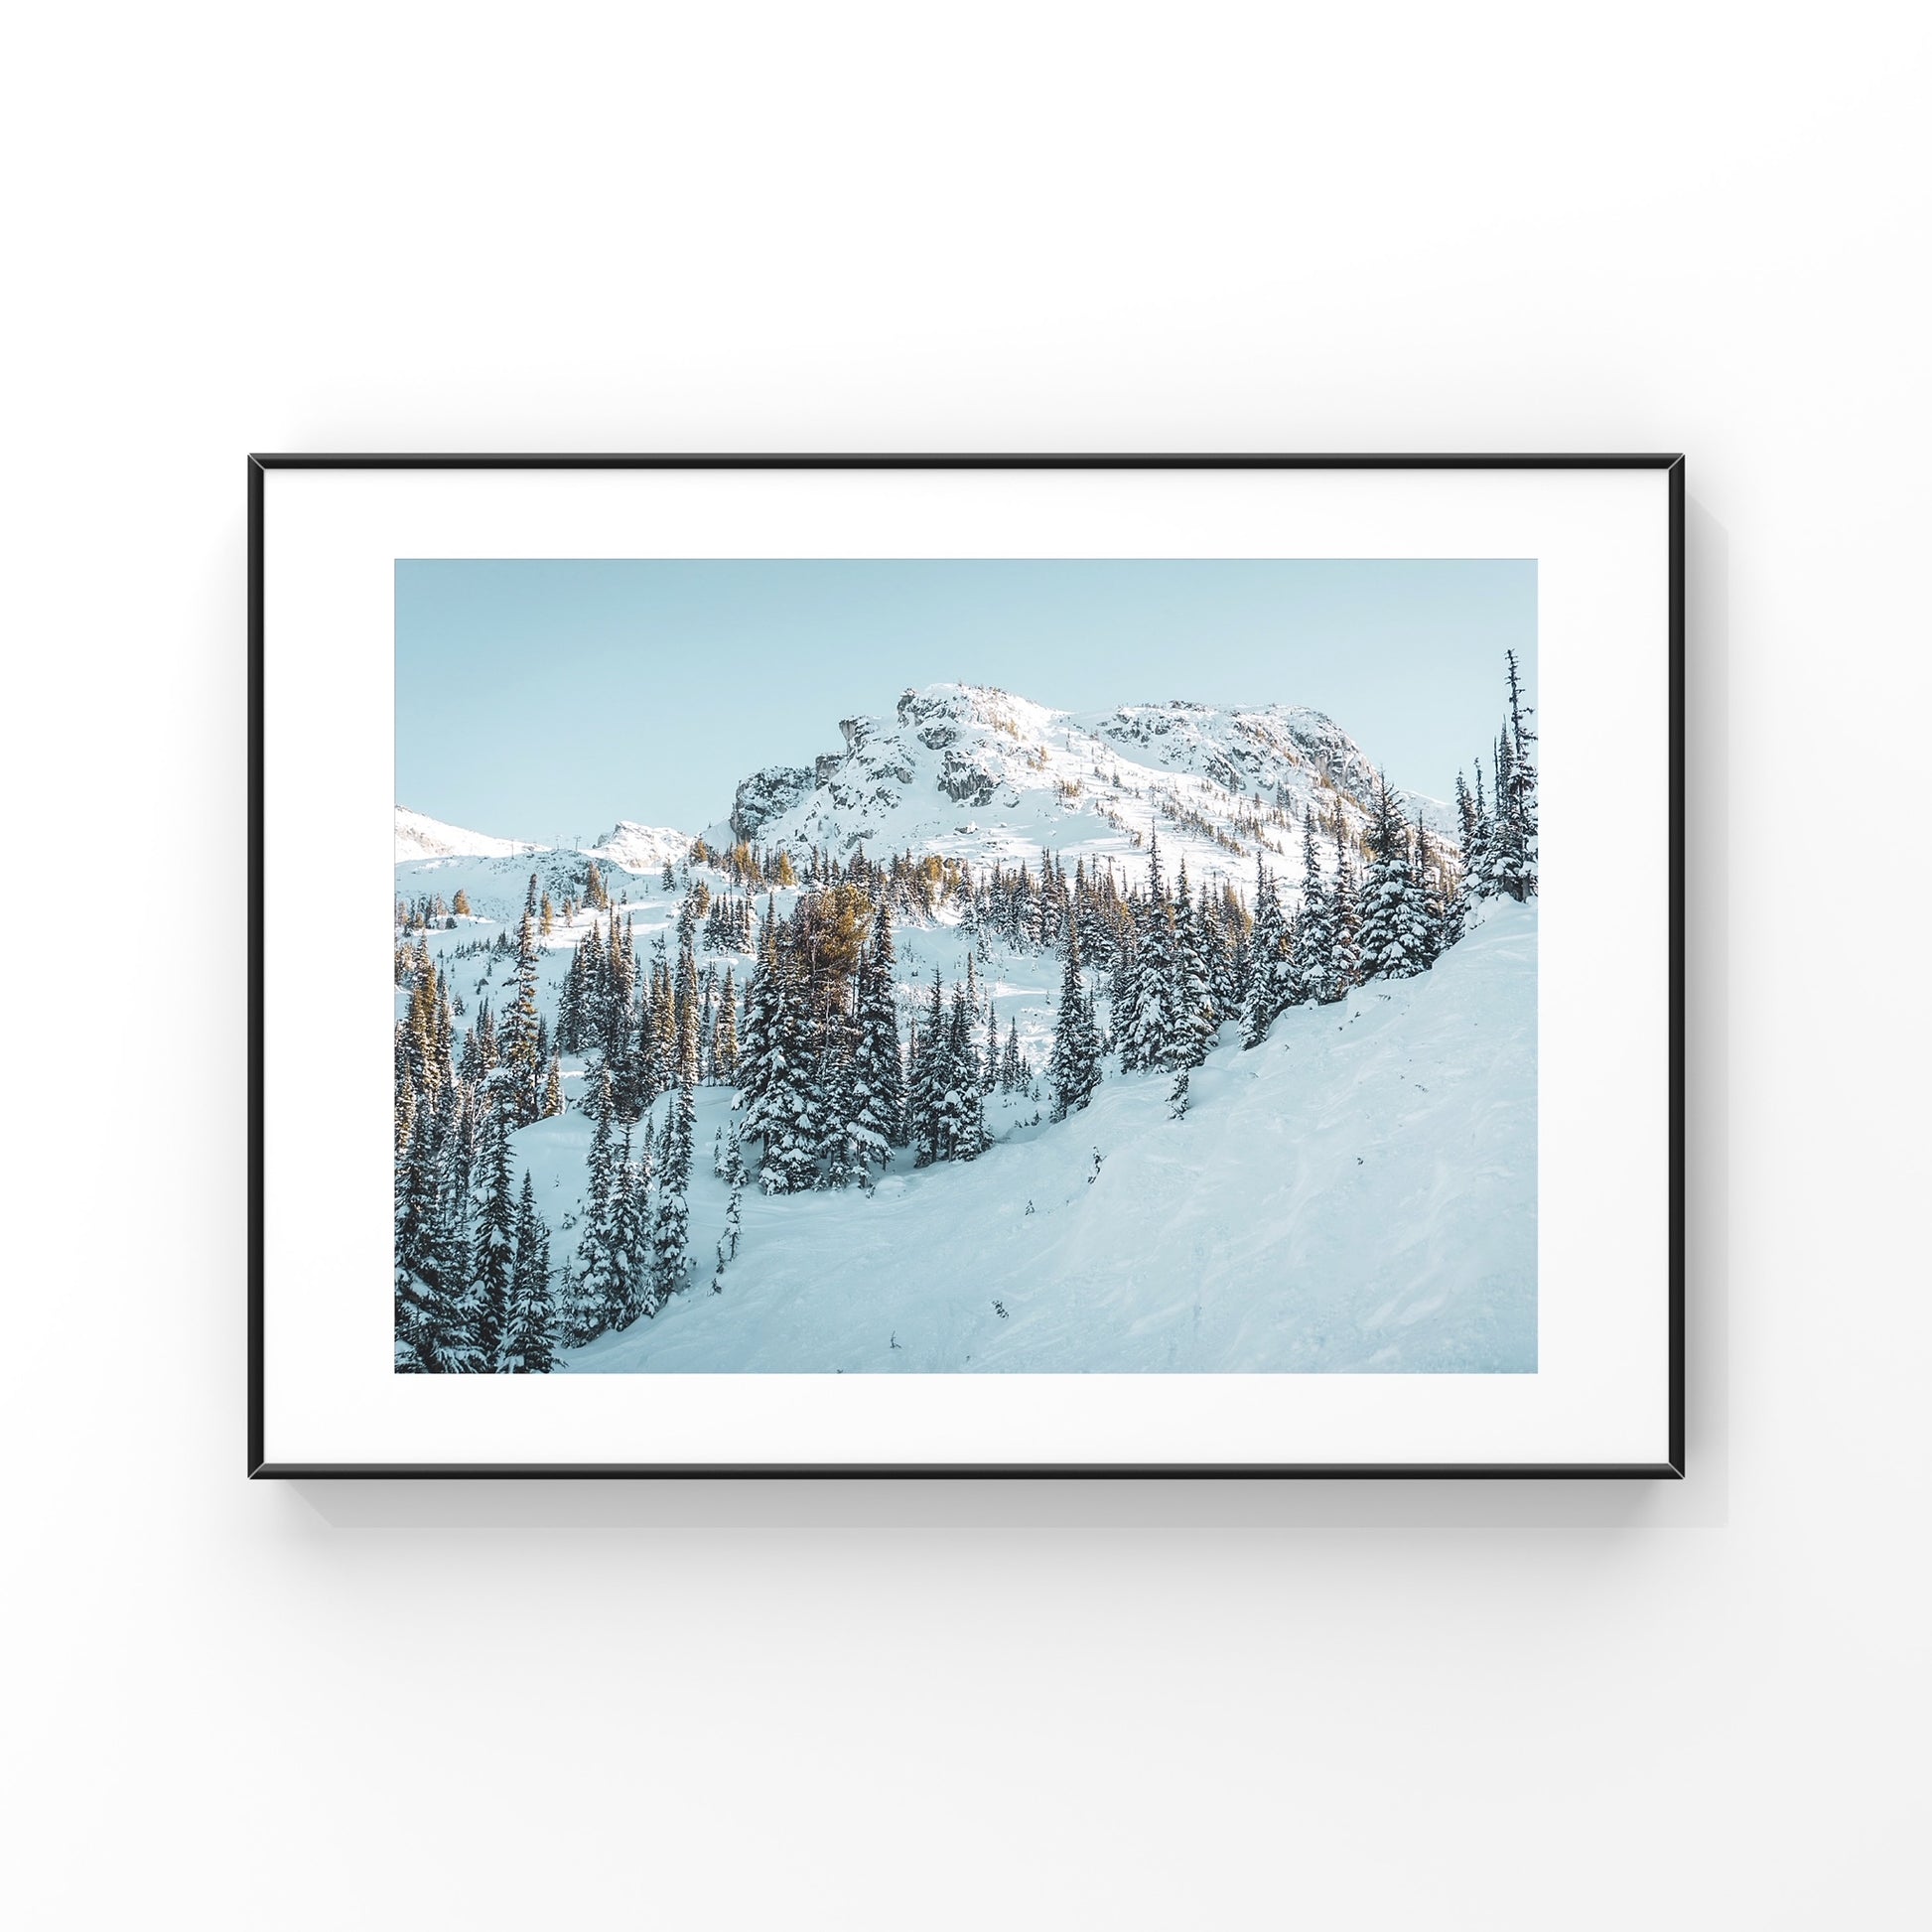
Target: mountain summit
x=974, y=772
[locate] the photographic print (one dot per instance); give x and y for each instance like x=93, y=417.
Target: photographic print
x=1113, y=966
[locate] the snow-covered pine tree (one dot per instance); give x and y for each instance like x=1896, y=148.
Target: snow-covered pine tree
x=732, y=1171
x=1393, y=928
x=628, y=1254
x=1311, y=954
x=841, y=1152
x=1075, y=1070
x=620, y=989
x=403, y=1094
x=588, y=1293
x=425, y=1037
x=1478, y=847
x=1178, y=1096
x=1345, y=954
x=723, y=1035
x=1148, y=1033
x=530, y=1326
x=671, y=1219
x=1516, y=811
x=494, y=1248
x=670, y=1228
x=1430, y=885
x=522, y=1048
x=962, y=1112
x=454, y=1128
x=662, y=1067
x=930, y=1078
x=482, y=1053
x=1011, y=1077
x=1195, y=1017
x=1123, y=995
x=1270, y=967
x=586, y=1002
x=878, y=1097
x=434, y=1334
x=782, y=1114
x=553, y=1089
x=759, y=1034
x=1225, y=937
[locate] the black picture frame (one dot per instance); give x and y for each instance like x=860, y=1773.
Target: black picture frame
x=258, y=1466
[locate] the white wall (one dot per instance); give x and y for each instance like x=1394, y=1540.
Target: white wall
x=1004, y=226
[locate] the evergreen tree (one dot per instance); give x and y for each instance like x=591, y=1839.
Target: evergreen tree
x=435, y=1334
x=553, y=1089
x=660, y=1061
x=1312, y=948
x=1074, y=1069
x=732, y=1171
x=1516, y=809
x=531, y=1330
x=877, y=1099
x=962, y=1134
x=1270, y=969
x=493, y=1249
x=1125, y=997
x=1396, y=929
x=454, y=1126
x=1194, y=1019
x=627, y=1257
x=931, y=1078
x=1431, y=888
x=589, y=1296
x=671, y=1222
x=756, y=1042
x=841, y=1151
x=1344, y=953
x=1478, y=847
x=1149, y=1027
x=782, y=1111
x=723, y=1035
x=522, y=1046
x=671, y=1228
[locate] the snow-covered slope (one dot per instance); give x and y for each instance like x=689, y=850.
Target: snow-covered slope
x=1357, y=1195
x=420, y=837
x=978, y=773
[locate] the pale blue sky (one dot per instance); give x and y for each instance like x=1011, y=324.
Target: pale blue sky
x=546, y=699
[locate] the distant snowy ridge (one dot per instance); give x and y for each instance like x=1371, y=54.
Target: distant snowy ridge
x=642, y=848
x=418, y=836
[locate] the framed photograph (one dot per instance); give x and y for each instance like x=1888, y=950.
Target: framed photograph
x=966, y=965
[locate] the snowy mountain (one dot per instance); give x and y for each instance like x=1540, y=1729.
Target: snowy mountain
x=640, y=848
x=441, y=859
x=977, y=774
x=419, y=836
